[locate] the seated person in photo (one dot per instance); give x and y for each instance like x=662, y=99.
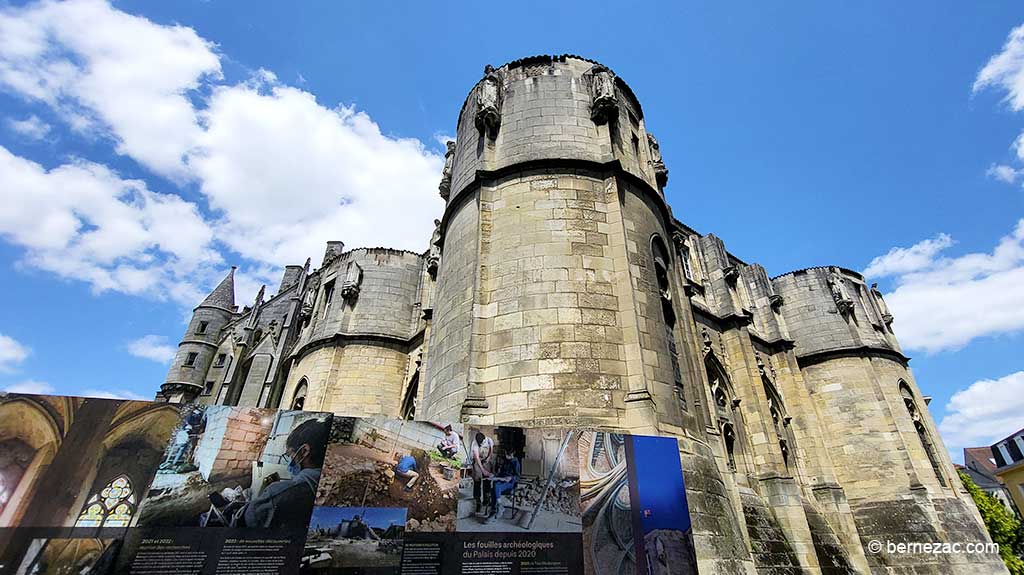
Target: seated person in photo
x=288, y=503
x=449, y=446
x=358, y=529
x=504, y=481
x=406, y=469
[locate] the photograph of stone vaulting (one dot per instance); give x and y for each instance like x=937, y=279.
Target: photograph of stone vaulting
x=560, y=290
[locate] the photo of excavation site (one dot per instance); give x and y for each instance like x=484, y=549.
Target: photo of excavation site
x=354, y=540
x=376, y=462
x=221, y=459
x=517, y=480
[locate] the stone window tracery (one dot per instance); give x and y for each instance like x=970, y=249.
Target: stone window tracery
x=113, y=506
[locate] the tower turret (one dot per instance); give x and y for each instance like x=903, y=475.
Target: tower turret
x=196, y=351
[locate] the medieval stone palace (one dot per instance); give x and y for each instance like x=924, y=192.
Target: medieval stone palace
x=558, y=289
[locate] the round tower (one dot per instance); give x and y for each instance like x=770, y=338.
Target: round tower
x=186, y=377
x=360, y=320
x=549, y=303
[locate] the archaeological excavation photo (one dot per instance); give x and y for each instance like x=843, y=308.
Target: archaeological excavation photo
x=518, y=480
x=410, y=465
x=224, y=465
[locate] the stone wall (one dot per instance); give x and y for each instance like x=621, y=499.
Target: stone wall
x=358, y=378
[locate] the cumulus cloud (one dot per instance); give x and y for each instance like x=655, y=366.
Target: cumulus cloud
x=152, y=347
x=987, y=411
x=31, y=127
x=99, y=67
x=943, y=303
x=12, y=353
x=287, y=174
x=278, y=173
x=30, y=386
x=81, y=220
x=1004, y=173
x=1005, y=70
x=904, y=260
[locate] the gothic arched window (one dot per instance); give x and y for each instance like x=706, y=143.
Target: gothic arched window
x=661, y=274
x=922, y=431
x=113, y=506
x=724, y=409
x=299, y=399
x=780, y=419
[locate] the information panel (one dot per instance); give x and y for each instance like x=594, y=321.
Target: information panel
x=102, y=486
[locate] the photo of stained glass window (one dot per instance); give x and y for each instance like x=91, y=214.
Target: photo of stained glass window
x=113, y=506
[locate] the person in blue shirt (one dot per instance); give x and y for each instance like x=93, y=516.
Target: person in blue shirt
x=504, y=480
x=406, y=469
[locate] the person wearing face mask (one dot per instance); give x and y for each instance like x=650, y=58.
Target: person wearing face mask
x=288, y=503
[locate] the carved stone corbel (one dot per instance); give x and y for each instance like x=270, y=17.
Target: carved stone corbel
x=731, y=274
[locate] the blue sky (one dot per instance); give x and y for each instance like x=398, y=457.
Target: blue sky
x=801, y=133
x=380, y=517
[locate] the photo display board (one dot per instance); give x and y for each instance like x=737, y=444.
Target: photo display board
x=103, y=486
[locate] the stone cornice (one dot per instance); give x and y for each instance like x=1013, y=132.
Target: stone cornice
x=862, y=351
x=611, y=167
x=343, y=339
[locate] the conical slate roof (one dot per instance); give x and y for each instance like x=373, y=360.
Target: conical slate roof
x=224, y=294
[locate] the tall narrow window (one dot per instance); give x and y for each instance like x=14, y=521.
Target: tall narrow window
x=661, y=275
x=299, y=399
x=221, y=358
x=411, y=396
x=328, y=295
x=922, y=431
x=190, y=359
x=113, y=506
x=724, y=409
x=208, y=390
x=201, y=328
x=780, y=419
x=684, y=255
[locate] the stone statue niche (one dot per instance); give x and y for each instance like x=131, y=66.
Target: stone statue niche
x=445, y=187
x=488, y=100
x=604, y=107
x=660, y=171
x=434, y=258
x=353, y=280
x=836, y=283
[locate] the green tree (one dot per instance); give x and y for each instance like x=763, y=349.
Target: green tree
x=1004, y=528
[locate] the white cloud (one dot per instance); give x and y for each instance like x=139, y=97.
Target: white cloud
x=113, y=394
x=288, y=174
x=31, y=127
x=153, y=347
x=904, y=260
x=11, y=352
x=81, y=220
x=1004, y=173
x=280, y=173
x=30, y=386
x=943, y=303
x=987, y=411
x=104, y=69
x=1006, y=70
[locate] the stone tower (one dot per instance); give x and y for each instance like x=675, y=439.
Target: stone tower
x=549, y=305
x=195, y=356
